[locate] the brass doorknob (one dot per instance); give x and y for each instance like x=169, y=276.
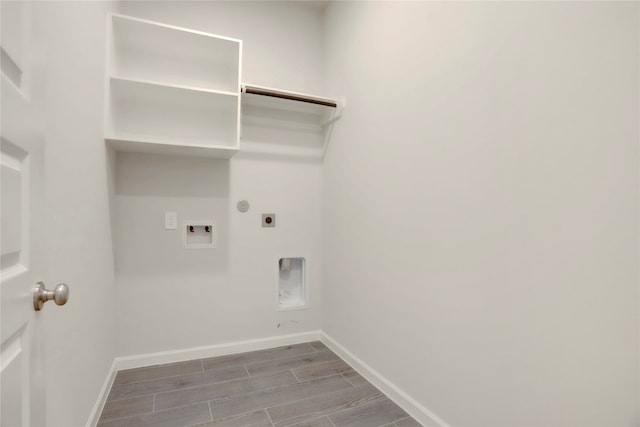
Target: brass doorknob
x=60, y=295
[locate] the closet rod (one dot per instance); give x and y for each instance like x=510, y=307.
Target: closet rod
x=292, y=97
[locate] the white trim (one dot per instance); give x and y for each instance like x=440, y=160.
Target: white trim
x=154, y=144
x=150, y=359
x=171, y=27
x=94, y=417
x=173, y=86
x=13, y=271
x=406, y=402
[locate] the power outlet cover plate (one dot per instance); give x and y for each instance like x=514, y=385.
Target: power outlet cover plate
x=170, y=220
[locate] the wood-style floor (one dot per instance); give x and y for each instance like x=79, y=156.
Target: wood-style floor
x=298, y=385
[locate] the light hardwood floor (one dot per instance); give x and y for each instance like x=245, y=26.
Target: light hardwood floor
x=299, y=385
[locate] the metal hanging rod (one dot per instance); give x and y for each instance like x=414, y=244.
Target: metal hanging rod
x=256, y=90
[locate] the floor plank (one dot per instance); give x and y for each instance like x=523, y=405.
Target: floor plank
x=256, y=356
x=318, y=370
x=127, y=407
x=318, y=422
x=407, y=422
x=158, y=371
x=318, y=345
x=279, y=396
x=250, y=419
x=160, y=385
x=287, y=363
x=182, y=416
x=375, y=414
x=298, y=385
x=355, y=378
x=316, y=407
x=245, y=386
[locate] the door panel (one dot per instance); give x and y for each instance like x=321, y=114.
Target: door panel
x=21, y=257
x=12, y=197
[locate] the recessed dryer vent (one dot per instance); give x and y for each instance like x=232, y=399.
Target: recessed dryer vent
x=292, y=292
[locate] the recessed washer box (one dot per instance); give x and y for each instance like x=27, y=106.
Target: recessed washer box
x=199, y=234
x=292, y=286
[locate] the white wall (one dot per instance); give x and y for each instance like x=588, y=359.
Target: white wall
x=80, y=338
x=481, y=206
x=282, y=40
x=170, y=298
x=479, y=209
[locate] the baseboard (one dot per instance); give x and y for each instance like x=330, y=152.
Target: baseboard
x=94, y=416
x=150, y=359
x=406, y=402
x=426, y=417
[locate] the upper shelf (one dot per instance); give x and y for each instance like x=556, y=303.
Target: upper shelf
x=152, y=51
x=171, y=90
x=302, y=110
x=176, y=90
x=171, y=114
x=149, y=144
x=270, y=108
x=175, y=86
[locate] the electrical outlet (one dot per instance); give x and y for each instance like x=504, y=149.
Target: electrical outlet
x=269, y=220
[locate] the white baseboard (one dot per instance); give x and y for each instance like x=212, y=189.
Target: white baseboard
x=406, y=402
x=94, y=416
x=150, y=359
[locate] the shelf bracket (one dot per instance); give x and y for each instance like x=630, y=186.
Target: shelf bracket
x=335, y=116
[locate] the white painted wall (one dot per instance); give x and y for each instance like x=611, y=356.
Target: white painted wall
x=170, y=298
x=481, y=206
x=282, y=40
x=80, y=338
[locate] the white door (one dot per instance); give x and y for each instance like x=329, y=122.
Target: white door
x=21, y=235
